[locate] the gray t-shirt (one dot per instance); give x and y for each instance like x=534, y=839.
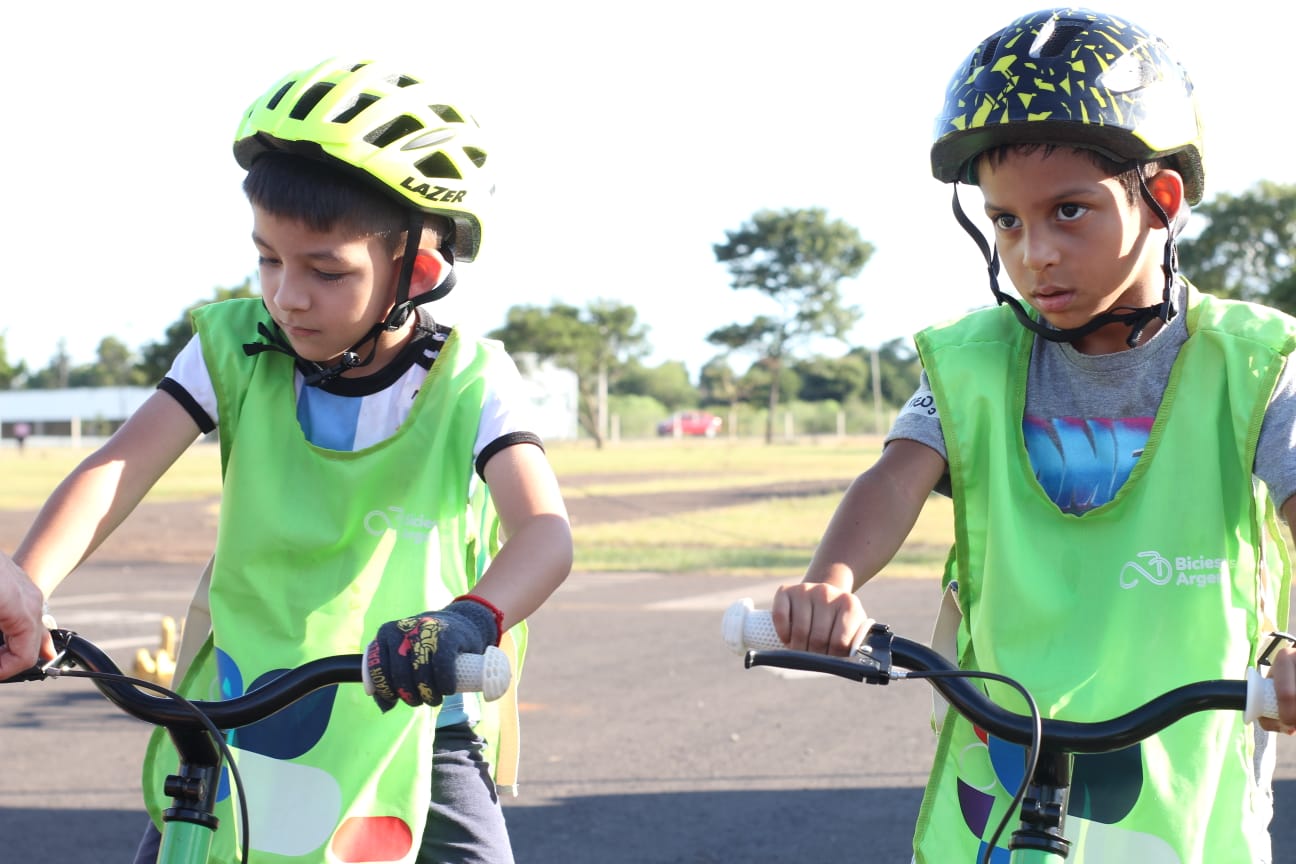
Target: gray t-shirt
x=1088, y=417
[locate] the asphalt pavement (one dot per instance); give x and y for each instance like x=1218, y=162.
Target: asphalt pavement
x=645, y=739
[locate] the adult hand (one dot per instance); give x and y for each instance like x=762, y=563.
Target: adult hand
x=21, y=610
x=413, y=659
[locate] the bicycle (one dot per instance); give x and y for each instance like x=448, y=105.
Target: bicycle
x=197, y=727
x=1042, y=796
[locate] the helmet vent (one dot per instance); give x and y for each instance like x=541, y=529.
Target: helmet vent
x=438, y=165
x=309, y=100
x=988, y=50
x=447, y=113
x=1054, y=37
x=363, y=101
x=477, y=156
x=278, y=96
x=395, y=130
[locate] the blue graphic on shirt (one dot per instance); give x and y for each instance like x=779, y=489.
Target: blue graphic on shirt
x=1082, y=462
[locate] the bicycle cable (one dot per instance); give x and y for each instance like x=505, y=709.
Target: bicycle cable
x=236, y=780
x=1032, y=752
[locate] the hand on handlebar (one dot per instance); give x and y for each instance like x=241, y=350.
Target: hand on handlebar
x=1282, y=672
x=819, y=617
x=413, y=660
x=25, y=638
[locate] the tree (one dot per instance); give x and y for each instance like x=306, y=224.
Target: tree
x=668, y=383
x=1246, y=250
x=115, y=367
x=57, y=374
x=798, y=259
x=596, y=343
x=835, y=378
x=8, y=372
x=156, y=357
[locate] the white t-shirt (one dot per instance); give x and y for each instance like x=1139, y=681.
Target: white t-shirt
x=354, y=413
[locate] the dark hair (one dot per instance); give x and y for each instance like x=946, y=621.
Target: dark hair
x=1125, y=173
x=325, y=198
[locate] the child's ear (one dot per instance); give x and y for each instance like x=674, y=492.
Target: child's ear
x=429, y=271
x=1167, y=189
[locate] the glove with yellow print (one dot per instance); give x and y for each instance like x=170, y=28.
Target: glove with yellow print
x=413, y=659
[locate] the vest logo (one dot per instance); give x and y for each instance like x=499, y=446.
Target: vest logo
x=407, y=526
x=1157, y=569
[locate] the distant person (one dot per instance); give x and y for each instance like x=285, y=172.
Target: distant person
x=366, y=452
x=21, y=431
x=1115, y=443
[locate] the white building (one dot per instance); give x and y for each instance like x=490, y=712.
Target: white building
x=87, y=415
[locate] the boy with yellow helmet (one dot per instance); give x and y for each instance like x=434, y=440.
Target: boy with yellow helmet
x=1114, y=442
x=375, y=463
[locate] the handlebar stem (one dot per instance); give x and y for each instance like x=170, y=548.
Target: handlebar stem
x=1043, y=809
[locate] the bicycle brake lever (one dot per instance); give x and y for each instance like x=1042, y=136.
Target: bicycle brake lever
x=1279, y=638
x=50, y=668
x=874, y=653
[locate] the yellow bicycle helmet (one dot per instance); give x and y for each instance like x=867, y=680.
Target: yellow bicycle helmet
x=389, y=125
x=1073, y=77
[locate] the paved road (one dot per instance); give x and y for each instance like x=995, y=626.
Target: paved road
x=646, y=741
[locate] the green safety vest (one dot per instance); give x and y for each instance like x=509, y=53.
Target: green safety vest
x=1177, y=579
x=316, y=549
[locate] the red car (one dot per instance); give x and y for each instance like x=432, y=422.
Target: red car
x=690, y=423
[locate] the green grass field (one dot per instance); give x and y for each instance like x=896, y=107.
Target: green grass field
x=764, y=537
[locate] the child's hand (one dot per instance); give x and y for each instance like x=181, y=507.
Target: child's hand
x=1283, y=674
x=819, y=617
x=413, y=659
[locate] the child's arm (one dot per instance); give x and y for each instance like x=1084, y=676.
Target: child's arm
x=1283, y=670
x=878, y=511
x=535, y=558
x=536, y=555
x=102, y=491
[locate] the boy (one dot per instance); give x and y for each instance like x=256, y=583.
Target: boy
x=1100, y=450
x=359, y=439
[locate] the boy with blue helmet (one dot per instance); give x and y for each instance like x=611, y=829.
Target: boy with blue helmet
x=1115, y=444
x=375, y=463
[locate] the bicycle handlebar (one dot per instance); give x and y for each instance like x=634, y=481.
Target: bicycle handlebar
x=487, y=673
x=751, y=632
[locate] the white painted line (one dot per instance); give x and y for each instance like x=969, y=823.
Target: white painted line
x=761, y=593
x=67, y=600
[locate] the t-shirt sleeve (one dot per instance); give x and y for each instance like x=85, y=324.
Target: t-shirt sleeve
x=507, y=410
x=919, y=421
x=1274, y=462
x=190, y=384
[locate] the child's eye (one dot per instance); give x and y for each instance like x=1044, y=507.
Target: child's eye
x=1071, y=212
x=264, y=261
x=329, y=277
x=1004, y=221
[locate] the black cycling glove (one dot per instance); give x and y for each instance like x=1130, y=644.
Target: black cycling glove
x=413, y=659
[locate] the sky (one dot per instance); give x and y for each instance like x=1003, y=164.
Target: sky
x=627, y=139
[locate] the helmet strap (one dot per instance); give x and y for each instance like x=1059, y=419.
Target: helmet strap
x=313, y=374
x=1136, y=319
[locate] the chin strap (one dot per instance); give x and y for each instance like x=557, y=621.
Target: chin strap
x=1136, y=319
x=313, y=374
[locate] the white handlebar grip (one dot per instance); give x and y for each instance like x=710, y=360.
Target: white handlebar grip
x=1261, y=698
x=488, y=674
x=746, y=628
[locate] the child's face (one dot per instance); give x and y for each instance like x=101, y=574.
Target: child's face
x=1071, y=241
x=325, y=289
